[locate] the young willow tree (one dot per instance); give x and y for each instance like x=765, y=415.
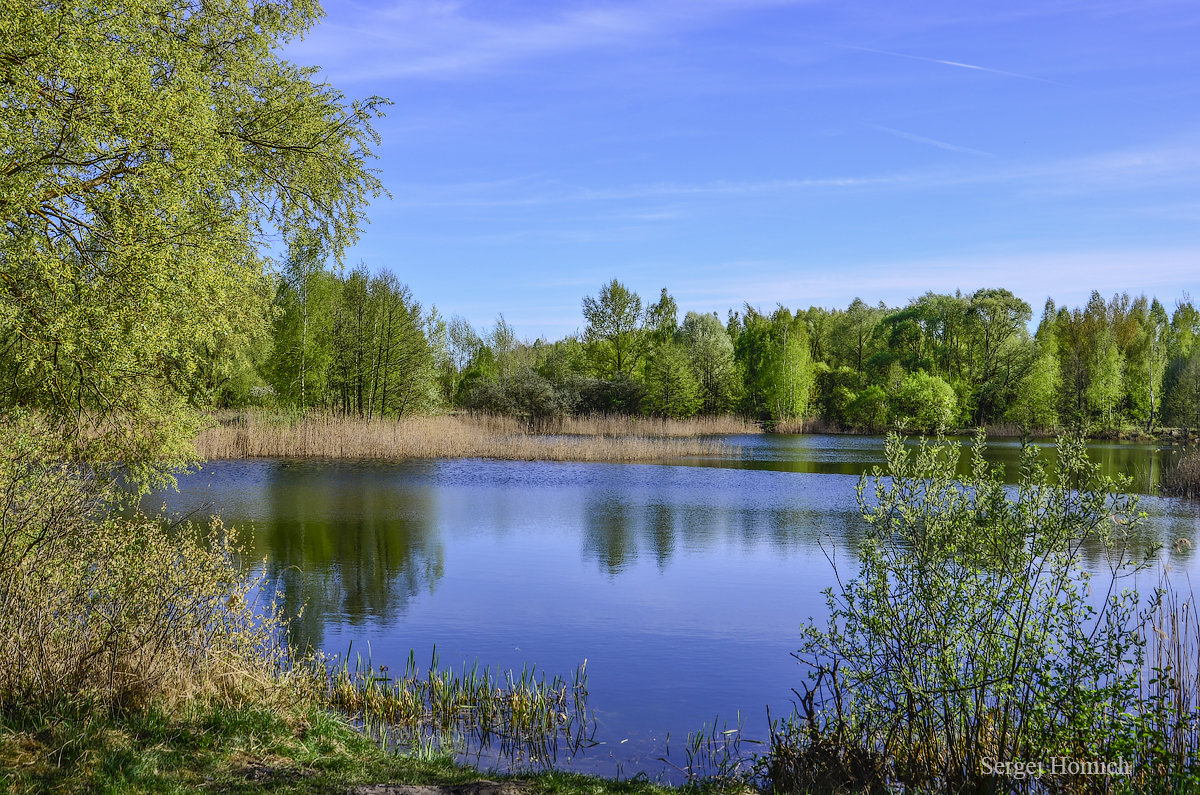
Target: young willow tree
x=974, y=632
x=147, y=152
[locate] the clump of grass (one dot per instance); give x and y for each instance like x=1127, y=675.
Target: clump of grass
x=256, y=434
x=523, y=716
x=803, y=425
x=714, y=756
x=1182, y=478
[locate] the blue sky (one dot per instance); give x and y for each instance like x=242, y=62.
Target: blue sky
x=767, y=151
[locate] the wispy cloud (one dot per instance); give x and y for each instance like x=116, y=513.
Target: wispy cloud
x=464, y=196
x=958, y=64
x=966, y=150
x=1068, y=276
x=431, y=38
x=1165, y=164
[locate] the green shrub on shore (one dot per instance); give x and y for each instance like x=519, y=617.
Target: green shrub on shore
x=973, y=638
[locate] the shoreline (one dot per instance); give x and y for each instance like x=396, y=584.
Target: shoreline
x=601, y=439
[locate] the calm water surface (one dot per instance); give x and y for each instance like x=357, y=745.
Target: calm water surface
x=683, y=586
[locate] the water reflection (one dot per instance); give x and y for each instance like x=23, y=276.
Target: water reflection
x=684, y=586
x=857, y=455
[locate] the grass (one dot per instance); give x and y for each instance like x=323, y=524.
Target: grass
x=523, y=718
x=247, y=749
x=617, y=439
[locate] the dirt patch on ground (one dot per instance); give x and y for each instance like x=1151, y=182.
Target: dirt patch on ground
x=474, y=788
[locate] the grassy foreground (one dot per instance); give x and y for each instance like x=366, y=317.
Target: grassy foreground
x=222, y=749
x=616, y=439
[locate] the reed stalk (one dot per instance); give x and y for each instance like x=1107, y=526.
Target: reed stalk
x=616, y=439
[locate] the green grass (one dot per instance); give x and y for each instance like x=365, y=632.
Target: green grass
x=304, y=749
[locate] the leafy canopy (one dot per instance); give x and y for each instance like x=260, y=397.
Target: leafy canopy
x=149, y=150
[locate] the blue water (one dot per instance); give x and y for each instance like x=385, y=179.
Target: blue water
x=684, y=587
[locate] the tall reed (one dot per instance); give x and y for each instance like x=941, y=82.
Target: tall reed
x=258, y=434
x=1181, y=478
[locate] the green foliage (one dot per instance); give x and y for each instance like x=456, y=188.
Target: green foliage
x=1033, y=404
x=615, y=333
x=671, y=389
x=1183, y=406
x=307, y=297
x=868, y=411
x=149, y=150
x=710, y=353
x=924, y=402
x=939, y=362
x=774, y=355
x=972, y=630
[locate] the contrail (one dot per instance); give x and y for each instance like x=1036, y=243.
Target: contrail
x=959, y=64
x=932, y=142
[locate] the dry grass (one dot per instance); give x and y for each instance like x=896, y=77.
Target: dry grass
x=1182, y=479
x=261, y=435
x=806, y=425
x=626, y=425
x=99, y=610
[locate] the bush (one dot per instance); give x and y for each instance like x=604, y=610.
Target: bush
x=973, y=635
x=924, y=403
x=869, y=410
x=100, y=611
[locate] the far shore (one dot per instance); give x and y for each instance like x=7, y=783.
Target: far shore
x=608, y=438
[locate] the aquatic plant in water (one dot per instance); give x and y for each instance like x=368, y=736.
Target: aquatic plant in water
x=520, y=719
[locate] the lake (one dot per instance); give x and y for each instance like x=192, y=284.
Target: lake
x=683, y=586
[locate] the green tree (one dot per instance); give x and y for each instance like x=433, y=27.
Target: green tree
x=710, y=352
x=298, y=366
x=854, y=334
x=775, y=358
x=924, y=402
x=671, y=389
x=1183, y=406
x=148, y=151
x=1000, y=350
x=614, y=330
x=662, y=319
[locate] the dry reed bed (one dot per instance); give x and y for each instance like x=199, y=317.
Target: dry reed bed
x=325, y=436
x=1182, y=479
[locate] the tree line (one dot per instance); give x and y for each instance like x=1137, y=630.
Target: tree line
x=359, y=343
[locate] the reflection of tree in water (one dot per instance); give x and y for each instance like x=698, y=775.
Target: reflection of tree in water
x=619, y=532
x=346, y=550
x=610, y=536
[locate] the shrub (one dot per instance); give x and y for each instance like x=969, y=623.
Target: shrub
x=973, y=635
x=103, y=611
x=924, y=402
x=869, y=409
